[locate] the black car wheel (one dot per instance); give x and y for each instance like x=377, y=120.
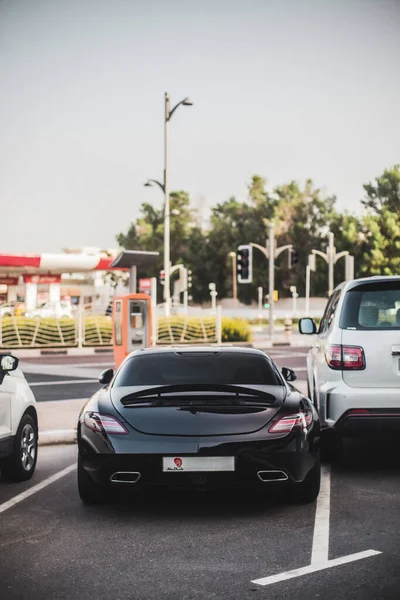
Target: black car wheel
x=307, y=491
x=20, y=465
x=90, y=492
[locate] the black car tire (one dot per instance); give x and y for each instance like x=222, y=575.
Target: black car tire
x=90, y=492
x=307, y=491
x=21, y=463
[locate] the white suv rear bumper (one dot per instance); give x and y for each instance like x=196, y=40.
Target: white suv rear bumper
x=337, y=399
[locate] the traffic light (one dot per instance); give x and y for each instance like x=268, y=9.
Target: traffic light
x=244, y=264
x=189, y=279
x=162, y=277
x=293, y=258
x=266, y=303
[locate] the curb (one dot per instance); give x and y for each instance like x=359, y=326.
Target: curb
x=57, y=436
x=27, y=353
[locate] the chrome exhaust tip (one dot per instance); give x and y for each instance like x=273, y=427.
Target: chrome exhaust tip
x=272, y=475
x=125, y=477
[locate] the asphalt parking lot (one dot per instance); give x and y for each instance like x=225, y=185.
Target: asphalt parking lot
x=203, y=545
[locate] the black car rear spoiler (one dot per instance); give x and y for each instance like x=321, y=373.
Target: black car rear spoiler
x=237, y=390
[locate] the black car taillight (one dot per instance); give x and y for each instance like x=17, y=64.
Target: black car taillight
x=104, y=423
x=288, y=423
x=345, y=358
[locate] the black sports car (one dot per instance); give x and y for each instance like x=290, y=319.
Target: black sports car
x=198, y=417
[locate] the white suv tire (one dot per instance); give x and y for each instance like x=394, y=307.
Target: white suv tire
x=21, y=463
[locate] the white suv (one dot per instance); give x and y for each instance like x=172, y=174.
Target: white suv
x=18, y=422
x=353, y=368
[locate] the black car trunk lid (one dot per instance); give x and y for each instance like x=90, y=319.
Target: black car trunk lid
x=198, y=411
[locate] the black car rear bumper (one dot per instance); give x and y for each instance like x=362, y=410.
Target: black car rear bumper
x=281, y=468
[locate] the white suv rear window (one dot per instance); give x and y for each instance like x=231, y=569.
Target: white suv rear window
x=372, y=306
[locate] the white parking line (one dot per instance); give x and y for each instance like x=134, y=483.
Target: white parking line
x=314, y=568
x=320, y=545
x=66, y=382
x=36, y=488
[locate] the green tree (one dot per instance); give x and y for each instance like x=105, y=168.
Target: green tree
x=147, y=233
x=302, y=218
x=385, y=192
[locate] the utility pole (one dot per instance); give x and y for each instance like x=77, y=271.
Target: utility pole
x=271, y=253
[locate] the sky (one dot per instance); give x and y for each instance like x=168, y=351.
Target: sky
x=287, y=89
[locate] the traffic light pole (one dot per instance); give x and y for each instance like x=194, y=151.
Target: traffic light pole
x=271, y=253
x=331, y=257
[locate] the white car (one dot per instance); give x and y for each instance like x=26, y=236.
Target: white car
x=58, y=310
x=18, y=422
x=353, y=367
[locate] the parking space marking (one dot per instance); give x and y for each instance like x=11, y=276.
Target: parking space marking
x=316, y=567
x=320, y=545
x=36, y=488
x=66, y=382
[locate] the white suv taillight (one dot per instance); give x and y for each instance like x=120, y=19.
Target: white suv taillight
x=104, y=423
x=287, y=423
x=345, y=358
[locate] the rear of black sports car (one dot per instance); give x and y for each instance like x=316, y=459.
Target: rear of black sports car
x=194, y=418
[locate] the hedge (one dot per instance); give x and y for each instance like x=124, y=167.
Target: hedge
x=18, y=332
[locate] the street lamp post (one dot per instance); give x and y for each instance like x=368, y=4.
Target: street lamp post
x=164, y=187
x=167, y=235
x=234, y=282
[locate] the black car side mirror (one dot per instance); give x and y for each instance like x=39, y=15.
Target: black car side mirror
x=307, y=326
x=288, y=374
x=106, y=376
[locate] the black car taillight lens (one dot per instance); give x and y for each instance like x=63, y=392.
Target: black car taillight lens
x=345, y=358
x=104, y=423
x=288, y=423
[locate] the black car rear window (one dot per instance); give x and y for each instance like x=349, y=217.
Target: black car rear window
x=372, y=306
x=197, y=367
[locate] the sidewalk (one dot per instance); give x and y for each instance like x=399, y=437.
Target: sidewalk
x=58, y=421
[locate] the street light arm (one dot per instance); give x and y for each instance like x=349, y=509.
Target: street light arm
x=279, y=251
x=324, y=256
x=340, y=255
x=160, y=185
x=263, y=250
x=171, y=112
x=175, y=268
